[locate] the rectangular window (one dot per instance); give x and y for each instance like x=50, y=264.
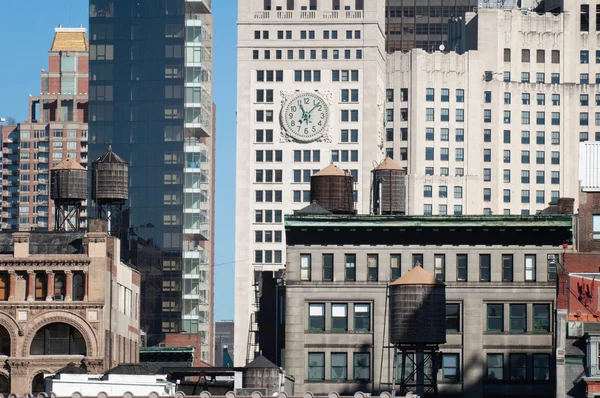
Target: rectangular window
x=395, y=266
x=439, y=263
x=507, y=267
x=316, y=366
x=350, y=268
x=430, y=94
x=339, y=317
x=530, y=267
x=452, y=317
x=507, y=55
x=506, y=175
x=305, y=267
x=495, y=366
x=339, y=366
x=495, y=317
x=429, y=114
x=450, y=367
x=362, y=368
x=525, y=194
x=525, y=98
x=328, y=267
x=460, y=95
x=372, y=267
x=461, y=267
x=484, y=267
x=541, y=318
x=518, y=318
x=417, y=260
x=541, y=367
x=316, y=317
x=487, y=155
x=518, y=366
x=525, y=54
x=362, y=317
x=552, y=263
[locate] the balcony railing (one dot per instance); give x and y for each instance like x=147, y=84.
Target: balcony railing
x=309, y=15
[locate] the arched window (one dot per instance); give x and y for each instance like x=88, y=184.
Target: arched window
x=4, y=286
x=78, y=286
x=4, y=386
x=4, y=342
x=60, y=286
x=58, y=339
x=40, y=286
x=37, y=385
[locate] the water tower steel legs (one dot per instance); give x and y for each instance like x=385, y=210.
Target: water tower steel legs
x=420, y=380
x=113, y=212
x=67, y=217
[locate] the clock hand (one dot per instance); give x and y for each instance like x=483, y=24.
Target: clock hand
x=309, y=112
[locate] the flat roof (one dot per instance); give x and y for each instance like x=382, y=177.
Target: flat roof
x=345, y=220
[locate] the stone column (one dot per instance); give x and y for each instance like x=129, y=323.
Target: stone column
x=85, y=285
x=49, y=285
x=69, y=283
x=31, y=286
x=12, y=283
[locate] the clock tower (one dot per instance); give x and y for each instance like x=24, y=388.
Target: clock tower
x=311, y=91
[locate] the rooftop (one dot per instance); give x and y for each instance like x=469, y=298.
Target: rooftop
x=70, y=39
x=46, y=243
x=385, y=221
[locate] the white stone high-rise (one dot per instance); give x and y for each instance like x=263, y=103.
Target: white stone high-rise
x=335, y=52
x=496, y=129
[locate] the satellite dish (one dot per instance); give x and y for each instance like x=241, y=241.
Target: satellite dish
x=442, y=47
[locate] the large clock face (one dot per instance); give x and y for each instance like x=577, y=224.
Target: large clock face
x=305, y=116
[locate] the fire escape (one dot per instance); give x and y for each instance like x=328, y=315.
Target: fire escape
x=253, y=348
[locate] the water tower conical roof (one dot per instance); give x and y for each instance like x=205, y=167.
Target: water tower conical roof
x=109, y=157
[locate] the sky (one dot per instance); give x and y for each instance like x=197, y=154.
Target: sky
x=26, y=34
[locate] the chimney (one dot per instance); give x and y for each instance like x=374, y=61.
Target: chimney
x=565, y=205
x=97, y=225
x=21, y=244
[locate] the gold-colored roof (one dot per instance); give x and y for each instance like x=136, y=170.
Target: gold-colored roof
x=389, y=164
x=68, y=164
x=331, y=170
x=417, y=276
x=70, y=40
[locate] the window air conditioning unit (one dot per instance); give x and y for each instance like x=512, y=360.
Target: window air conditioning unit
x=59, y=297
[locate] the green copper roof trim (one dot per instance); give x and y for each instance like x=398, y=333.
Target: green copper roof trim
x=166, y=349
x=343, y=221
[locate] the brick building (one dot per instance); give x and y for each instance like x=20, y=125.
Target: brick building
x=56, y=128
x=65, y=299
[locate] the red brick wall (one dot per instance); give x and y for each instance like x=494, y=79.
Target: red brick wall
x=53, y=63
x=589, y=204
x=174, y=340
x=54, y=85
x=569, y=287
x=83, y=64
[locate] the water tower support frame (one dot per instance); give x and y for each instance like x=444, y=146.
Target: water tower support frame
x=113, y=212
x=417, y=381
x=64, y=213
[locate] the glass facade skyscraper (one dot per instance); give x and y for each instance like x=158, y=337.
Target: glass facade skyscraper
x=150, y=98
x=421, y=23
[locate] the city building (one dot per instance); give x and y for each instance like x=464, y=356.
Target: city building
x=150, y=98
x=423, y=24
x=224, y=334
x=65, y=298
x=311, y=90
x=500, y=277
x=56, y=128
x=578, y=309
x=496, y=129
